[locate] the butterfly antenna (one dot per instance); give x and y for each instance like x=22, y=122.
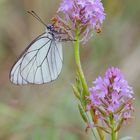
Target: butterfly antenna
x=37, y=17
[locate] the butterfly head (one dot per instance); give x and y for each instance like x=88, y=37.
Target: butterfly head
x=50, y=27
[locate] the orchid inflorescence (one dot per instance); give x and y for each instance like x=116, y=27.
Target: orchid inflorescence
x=111, y=98
x=88, y=15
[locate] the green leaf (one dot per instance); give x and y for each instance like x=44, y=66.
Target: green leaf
x=79, y=84
x=76, y=93
x=83, y=114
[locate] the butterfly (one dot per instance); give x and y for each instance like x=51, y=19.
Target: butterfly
x=41, y=62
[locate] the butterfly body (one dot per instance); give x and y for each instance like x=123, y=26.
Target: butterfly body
x=41, y=62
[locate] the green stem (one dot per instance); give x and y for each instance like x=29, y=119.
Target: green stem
x=78, y=62
x=81, y=74
x=113, y=133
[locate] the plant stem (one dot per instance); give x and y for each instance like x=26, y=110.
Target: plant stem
x=78, y=63
x=81, y=74
x=113, y=133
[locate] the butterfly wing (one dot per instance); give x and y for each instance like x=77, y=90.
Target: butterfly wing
x=40, y=63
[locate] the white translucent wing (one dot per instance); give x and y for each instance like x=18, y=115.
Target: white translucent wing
x=40, y=63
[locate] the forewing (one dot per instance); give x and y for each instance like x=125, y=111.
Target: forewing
x=40, y=63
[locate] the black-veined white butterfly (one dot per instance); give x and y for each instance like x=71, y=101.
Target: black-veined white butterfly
x=42, y=60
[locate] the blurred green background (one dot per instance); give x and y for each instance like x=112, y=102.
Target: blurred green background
x=49, y=112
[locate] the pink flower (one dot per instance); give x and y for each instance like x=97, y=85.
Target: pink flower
x=111, y=95
x=85, y=13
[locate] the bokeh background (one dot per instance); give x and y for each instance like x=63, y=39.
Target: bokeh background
x=49, y=112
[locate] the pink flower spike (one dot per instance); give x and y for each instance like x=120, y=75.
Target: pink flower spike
x=85, y=13
x=111, y=95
